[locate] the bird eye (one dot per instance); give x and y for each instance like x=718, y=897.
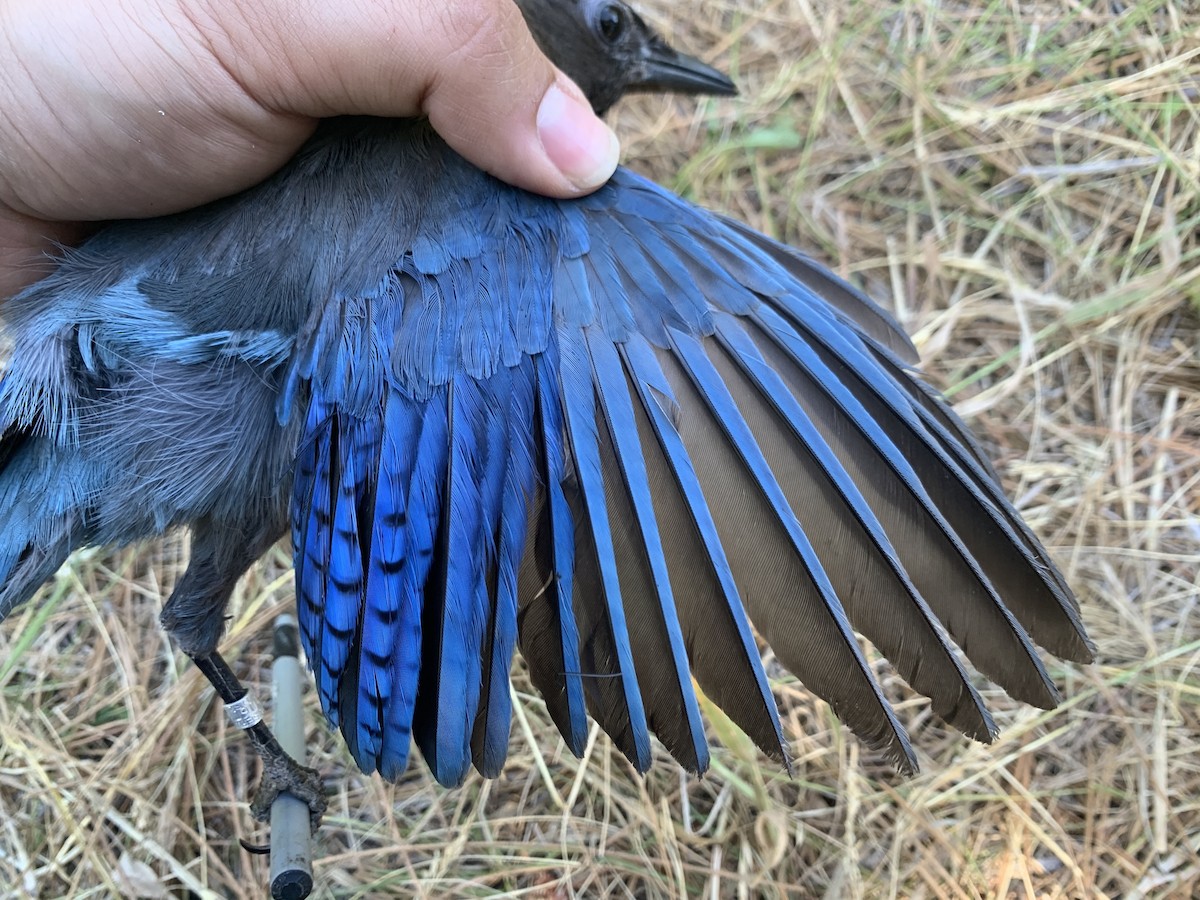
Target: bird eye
x=611, y=21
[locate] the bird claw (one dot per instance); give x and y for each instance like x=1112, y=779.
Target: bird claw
x=282, y=774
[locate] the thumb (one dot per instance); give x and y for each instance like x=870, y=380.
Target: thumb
x=471, y=66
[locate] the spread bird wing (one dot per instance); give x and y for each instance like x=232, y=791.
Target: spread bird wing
x=627, y=435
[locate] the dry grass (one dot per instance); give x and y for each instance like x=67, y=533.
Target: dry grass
x=1022, y=182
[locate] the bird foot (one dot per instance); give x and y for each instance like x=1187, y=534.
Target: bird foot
x=282, y=774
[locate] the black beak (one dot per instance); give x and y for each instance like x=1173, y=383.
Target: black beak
x=666, y=69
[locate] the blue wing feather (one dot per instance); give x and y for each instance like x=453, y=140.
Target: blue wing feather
x=928, y=662
x=957, y=442
x=313, y=549
x=490, y=746
x=672, y=710
x=454, y=623
x=1029, y=681
x=306, y=518
x=547, y=629
x=970, y=496
x=871, y=716
x=616, y=698
x=729, y=669
x=391, y=623
x=424, y=458
x=354, y=448
x=533, y=426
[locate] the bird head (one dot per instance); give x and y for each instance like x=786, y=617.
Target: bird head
x=609, y=51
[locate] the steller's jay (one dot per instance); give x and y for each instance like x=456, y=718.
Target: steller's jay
x=620, y=432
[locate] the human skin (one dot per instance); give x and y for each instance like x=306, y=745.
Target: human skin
x=127, y=108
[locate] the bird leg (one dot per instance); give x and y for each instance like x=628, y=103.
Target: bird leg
x=280, y=771
x=194, y=616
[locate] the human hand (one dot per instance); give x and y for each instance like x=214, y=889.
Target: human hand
x=146, y=107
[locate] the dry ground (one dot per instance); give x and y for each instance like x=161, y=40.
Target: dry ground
x=1021, y=182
